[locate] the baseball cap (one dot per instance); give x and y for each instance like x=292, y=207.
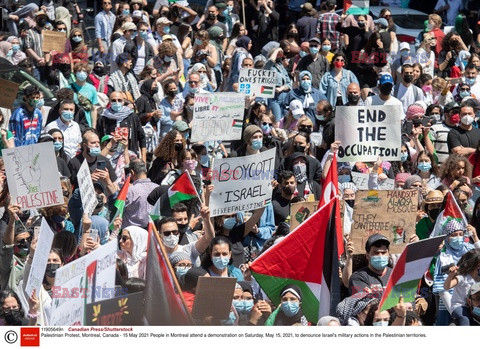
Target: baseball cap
x=450, y=106
x=128, y=26
x=163, y=20
x=404, y=46
x=137, y=14
x=296, y=108
x=385, y=79
x=167, y=37
x=382, y=21
x=376, y=239
x=40, y=13
x=180, y=126
x=474, y=289
x=317, y=40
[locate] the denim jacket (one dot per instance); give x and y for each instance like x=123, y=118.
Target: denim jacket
x=329, y=86
x=282, y=75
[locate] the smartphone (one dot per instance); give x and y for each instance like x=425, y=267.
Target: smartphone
x=455, y=81
x=94, y=234
x=408, y=127
x=101, y=165
x=427, y=121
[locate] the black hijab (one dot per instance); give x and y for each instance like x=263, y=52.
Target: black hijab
x=283, y=320
x=146, y=90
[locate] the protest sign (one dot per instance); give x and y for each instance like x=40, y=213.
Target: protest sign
x=72, y=290
x=40, y=259
x=258, y=82
x=218, y=116
x=121, y=311
x=8, y=93
x=243, y=183
x=300, y=211
x=213, y=297
x=367, y=133
x=53, y=41
x=32, y=174
x=356, y=7
x=361, y=181
x=87, y=192
x=391, y=213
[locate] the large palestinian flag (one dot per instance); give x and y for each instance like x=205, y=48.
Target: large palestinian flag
x=307, y=257
x=451, y=211
x=407, y=273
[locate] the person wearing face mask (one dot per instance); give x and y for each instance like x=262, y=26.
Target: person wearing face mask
x=133, y=243
x=241, y=52
x=85, y=94
x=120, y=115
x=283, y=197
x=470, y=74
x=454, y=248
x=427, y=169
x=170, y=109
x=405, y=91
x=315, y=63
x=118, y=46
x=218, y=259
x=473, y=304
x=250, y=312
x=33, y=46
x=147, y=109
x=289, y=312
x=181, y=263
x=305, y=93
x=6, y=50
x=373, y=278
x=464, y=138
x=385, y=87
x=432, y=206
x=290, y=121
x=440, y=130
x=17, y=54
x=11, y=311
x=186, y=224
x=353, y=95
x=26, y=121
x=207, y=79
x=252, y=142
x=308, y=173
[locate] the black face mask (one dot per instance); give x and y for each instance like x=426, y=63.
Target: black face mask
x=41, y=22
x=292, y=35
x=386, y=89
x=353, y=99
x=65, y=69
x=212, y=17
x=182, y=228
x=350, y=203
x=299, y=148
x=433, y=213
x=13, y=317
x=99, y=70
x=288, y=190
x=172, y=93
x=178, y=146
x=154, y=91
x=407, y=79
x=51, y=270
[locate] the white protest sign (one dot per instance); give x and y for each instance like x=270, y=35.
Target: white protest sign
x=218, y=116
x=361, y=181
x=367, y=133
x=40, y=259
x=87, y=192
x=243, y=183
x=258, y=82
x=33, y=177
x=87, y=279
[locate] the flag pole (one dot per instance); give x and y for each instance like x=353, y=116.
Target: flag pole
x=193, y=185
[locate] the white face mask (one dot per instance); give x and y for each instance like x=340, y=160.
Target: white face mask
x=170, y=241
x=467, y=120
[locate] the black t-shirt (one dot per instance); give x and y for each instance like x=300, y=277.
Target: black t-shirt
x=460, y=137
x=365, y=278
x=281, y=208
x=75, y=163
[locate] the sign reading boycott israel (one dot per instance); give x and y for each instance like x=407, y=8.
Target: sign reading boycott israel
x=258, y=82
x=218, y=116
x=391, y=213
x=369, y=132
x=242, y=184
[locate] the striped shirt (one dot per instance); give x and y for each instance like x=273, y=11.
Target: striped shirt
x=34, y=41
x=439, y=135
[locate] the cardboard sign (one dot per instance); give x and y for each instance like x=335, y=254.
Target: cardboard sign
x=367, y=133
x=361, y=181
x=258, y=82
x=242, y=184
x=391, y=213
x=33, y=177
x=87, y=192
x=40, y=259
x=300, y=211
x=53, y=41
x=218, y=116
x=126, y=310
x=8, y=93
x=213, y=297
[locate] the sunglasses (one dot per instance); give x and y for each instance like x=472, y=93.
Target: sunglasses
x=464, y=89
x=124, y=238
x=305, y=126
x=76, y=36
x=313, y=46
x=117, y=100
x=267, y=123
x=168, y=232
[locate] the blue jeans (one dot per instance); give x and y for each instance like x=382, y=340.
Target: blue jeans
x=461, y=316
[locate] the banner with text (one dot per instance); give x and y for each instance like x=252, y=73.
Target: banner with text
x=243, y=183
x=32, y=174
x=367, y=133
x=391, y=213
x=361, y=181
x=258, y=82
x=300, y=211
x=218, y=116
x=87, y=191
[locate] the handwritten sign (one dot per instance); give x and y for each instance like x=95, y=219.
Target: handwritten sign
x=391, y=213
x=40, y=259
x=258, y=82
x=367, y=133
x=8, y=93
x=243, y=183
x=53, y=41
x=121, y=311
x=218, y=116
x=33, y=177
x=300, y=211
x=361, y=181
x=87, y=192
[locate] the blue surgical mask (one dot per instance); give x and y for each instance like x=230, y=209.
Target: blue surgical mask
x=404, y=53
x=470, y=81
x=225, y=12
x=267, y=129
x=57, y=145
x=9, y=53
x=94, y=152
x=117, y=106
x=403, y=157
x=229, y=223
x=144, y=35
x=220, y=262
x=303, y=54
x=67, y=115
x=77, y=39
x=204, y=159
x=15, y=47
x=343, y=178
x=424, y=166
x=257, y=144
x=243, y=306
x=326, y=48
x=476, y=311
x=40, y=103
x=314, y=50
x=306, y=84
x=231, y=319
x=167, y=59
x=380, y=323
x=290, y=309
x=319, y=117
x=464, y=94
x=198, y=42
x=126, y=12
x=81, y=75
x=230, y=8
x=379, y=262
x=180, y=271
x=134, y=35
x=456, y=243
x=166, y=29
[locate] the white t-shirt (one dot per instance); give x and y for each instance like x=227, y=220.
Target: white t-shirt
x=460, y=291
x=406, y=95
x=140, y=60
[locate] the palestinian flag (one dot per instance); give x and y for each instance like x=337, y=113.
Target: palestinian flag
x=120, y=202
x=307, y=257
x=356, y=7
x=407, y=273
x=182, y=189
x=329, y=191
x=266, y=90
x=237, y=123
x=451, y=211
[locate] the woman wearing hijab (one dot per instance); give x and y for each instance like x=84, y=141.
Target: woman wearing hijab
x=146, y=105
x=63, y=15
x=76, y=47
x=207, y=79
x=244, y=44
x=6, y=50
x=289, y=312
x=18, y=55
x=133, y=244
x=354, y=310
